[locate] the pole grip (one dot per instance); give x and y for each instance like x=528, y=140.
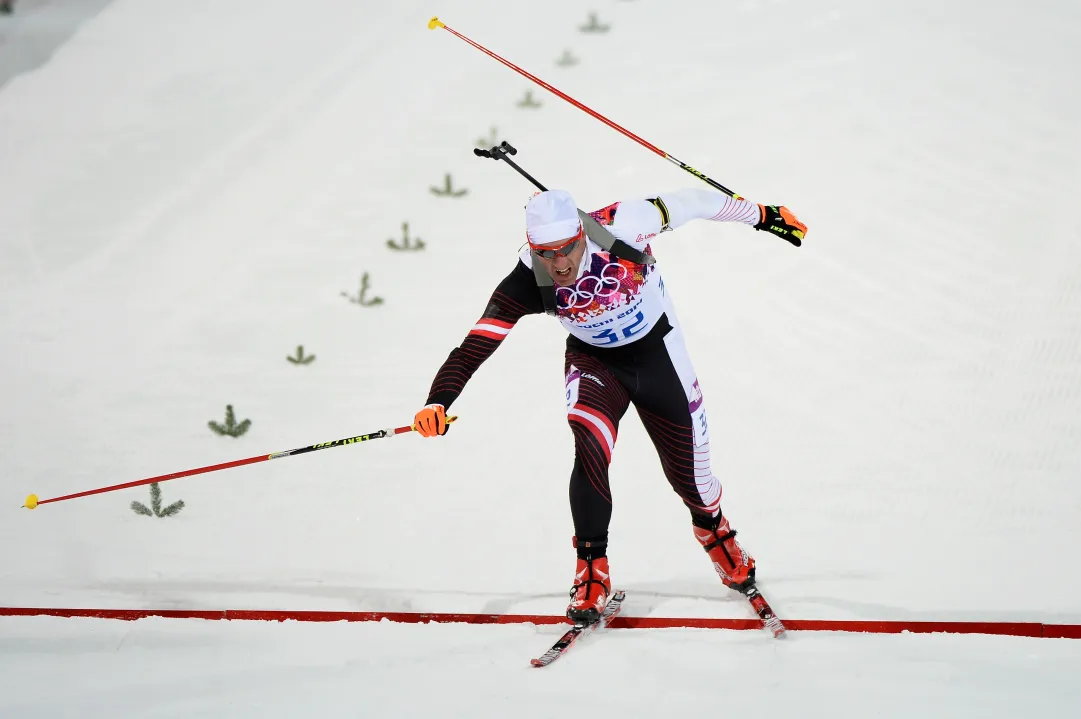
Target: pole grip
x=500, y=152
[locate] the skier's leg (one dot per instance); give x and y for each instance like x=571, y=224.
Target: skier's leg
x=595, y=403
x=673, y=411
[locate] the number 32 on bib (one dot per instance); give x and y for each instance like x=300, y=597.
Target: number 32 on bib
x=631, y=326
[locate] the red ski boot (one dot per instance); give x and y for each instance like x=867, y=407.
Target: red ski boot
x=733, y=564
x=592, y=587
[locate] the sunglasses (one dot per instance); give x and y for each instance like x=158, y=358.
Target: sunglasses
x=550, y=252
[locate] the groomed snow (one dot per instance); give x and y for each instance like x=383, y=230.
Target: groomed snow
x=186, y=190
x=157, y=668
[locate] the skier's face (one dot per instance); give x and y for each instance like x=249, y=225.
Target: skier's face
x=564, y=267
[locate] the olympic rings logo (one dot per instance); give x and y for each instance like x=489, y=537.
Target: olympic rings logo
x=591, y=287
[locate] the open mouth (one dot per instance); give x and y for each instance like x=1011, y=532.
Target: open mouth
x=564, y=273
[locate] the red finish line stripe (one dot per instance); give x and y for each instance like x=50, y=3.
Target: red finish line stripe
x=1015, y=629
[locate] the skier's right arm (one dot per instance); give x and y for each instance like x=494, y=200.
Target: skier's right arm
x=515, y=297
x=682, y=206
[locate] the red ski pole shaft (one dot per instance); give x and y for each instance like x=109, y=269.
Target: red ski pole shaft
x=436, y=22
x=32, y=501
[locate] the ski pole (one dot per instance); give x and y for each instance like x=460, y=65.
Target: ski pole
x=32, y=501
x=436, y=22
x=500, y=152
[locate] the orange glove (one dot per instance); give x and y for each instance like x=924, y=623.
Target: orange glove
x=779, y=220
x=431, y=421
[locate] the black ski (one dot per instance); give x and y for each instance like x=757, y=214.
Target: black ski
x=610, y=610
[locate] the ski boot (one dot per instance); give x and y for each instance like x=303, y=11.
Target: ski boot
x=734, y=566
x=592, y=584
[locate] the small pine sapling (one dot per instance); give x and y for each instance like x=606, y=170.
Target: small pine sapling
x=406, y=244
x=486, y=143
x=300, y=358
x=361, y=298
x=230, y=428
x=593, y=25
x=527, y=101
x=155, y=509
x=447, y=189
x=566, y=59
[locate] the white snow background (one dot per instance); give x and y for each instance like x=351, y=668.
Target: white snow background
x=186, y=189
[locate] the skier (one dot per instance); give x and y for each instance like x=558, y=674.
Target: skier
x=594, y=272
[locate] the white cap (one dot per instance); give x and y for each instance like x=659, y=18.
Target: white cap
x=551, y=216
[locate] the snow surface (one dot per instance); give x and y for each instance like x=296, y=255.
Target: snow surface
x=187, y=189
x=154, y=668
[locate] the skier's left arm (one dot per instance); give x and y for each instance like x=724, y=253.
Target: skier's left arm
x=679, y=207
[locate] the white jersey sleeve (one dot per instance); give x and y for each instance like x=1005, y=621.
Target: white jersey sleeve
x=636, y=223
x=697, y=204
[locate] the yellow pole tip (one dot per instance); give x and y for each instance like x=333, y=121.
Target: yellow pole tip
x=31, y=501
x=434, y=23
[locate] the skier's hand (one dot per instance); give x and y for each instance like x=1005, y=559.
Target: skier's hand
x=431, y=421
x=779, y=220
